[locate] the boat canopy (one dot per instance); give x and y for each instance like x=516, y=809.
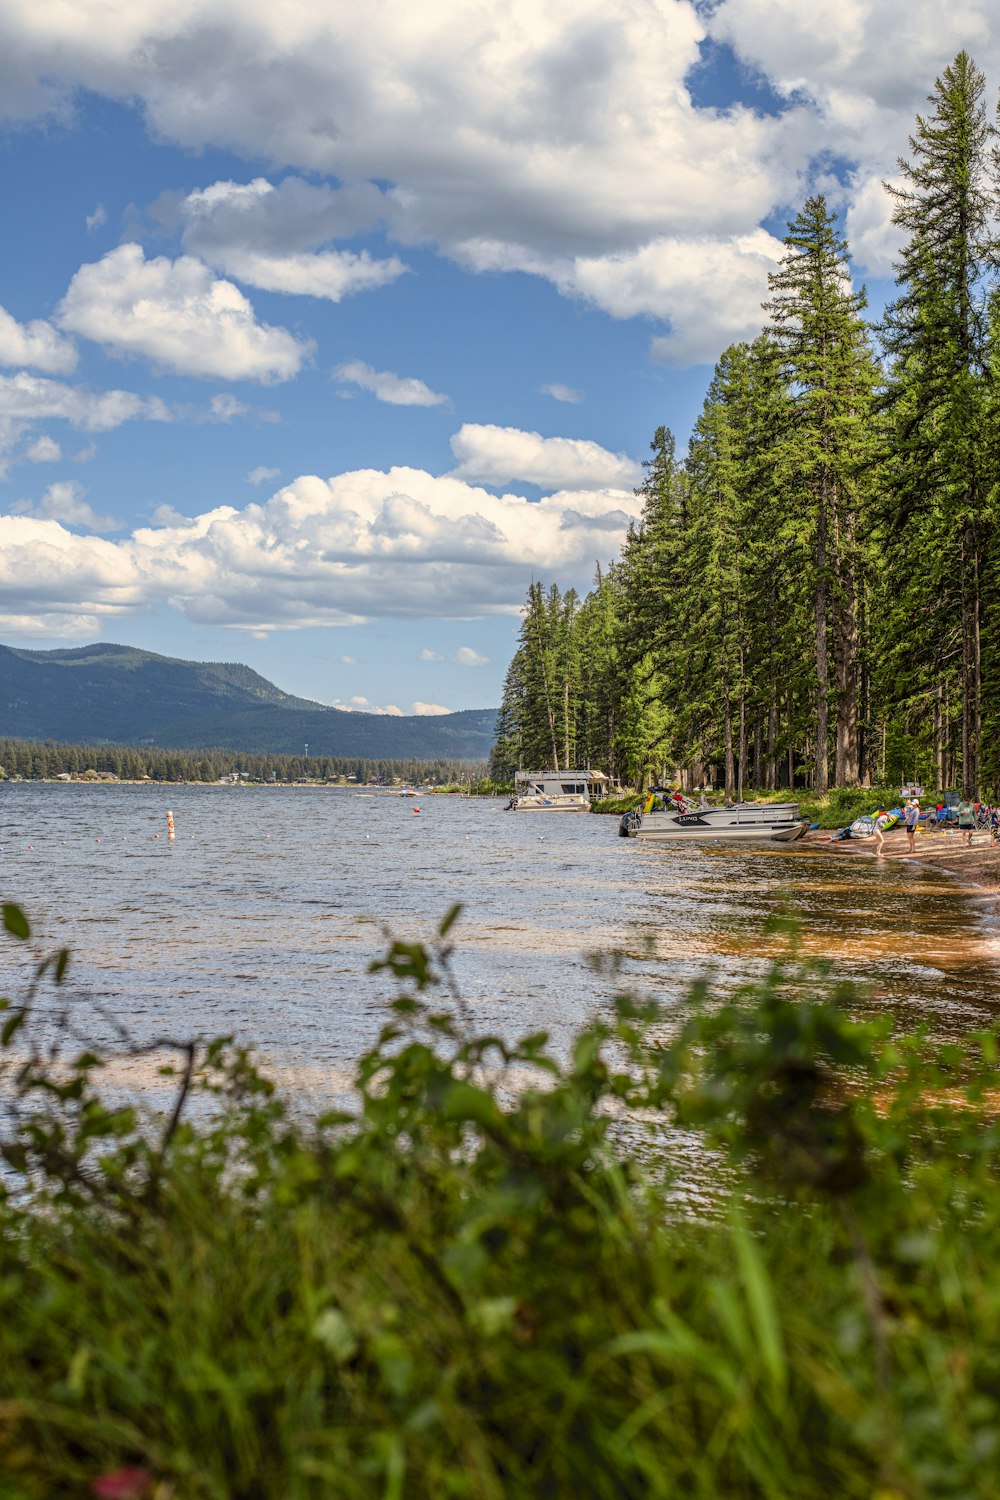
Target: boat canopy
x=560, y=783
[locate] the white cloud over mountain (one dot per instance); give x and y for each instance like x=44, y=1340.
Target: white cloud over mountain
x=367, y=543
x=560, y=140
x=176, y=313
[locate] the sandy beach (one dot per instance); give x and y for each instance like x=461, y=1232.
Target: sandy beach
x=977, y=866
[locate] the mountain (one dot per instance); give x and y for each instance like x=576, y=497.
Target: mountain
x=108, y=694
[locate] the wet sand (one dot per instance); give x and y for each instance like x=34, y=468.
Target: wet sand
x=976, y=866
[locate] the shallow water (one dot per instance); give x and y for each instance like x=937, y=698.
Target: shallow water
x=262, y=917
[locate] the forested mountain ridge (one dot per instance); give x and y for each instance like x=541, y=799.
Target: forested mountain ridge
x=812, y=594
x=113, y=694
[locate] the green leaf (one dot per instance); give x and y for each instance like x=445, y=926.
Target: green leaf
x=493, y=1315
x=449, y=919
x=761, y=1302
x=11, y=1027
x=335, y=1333
x=463, y=1101
x=15, y=921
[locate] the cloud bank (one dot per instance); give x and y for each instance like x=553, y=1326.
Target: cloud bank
x=562, y=141
x=401, y=543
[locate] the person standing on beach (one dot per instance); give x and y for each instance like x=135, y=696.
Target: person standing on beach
x=880, y=823
x=966, y=819
x=911, y=817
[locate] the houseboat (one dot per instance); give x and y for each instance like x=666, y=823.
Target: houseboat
x=557, y=791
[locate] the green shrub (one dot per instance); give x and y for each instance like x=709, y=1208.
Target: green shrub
x=485, y=1281
x=618, y=805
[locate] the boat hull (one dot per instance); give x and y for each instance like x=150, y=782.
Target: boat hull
x=777, y=822
x=549, y=804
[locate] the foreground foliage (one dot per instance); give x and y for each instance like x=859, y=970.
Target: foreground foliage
x=485, y=1283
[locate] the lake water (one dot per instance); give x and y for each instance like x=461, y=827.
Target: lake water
x=261, y=918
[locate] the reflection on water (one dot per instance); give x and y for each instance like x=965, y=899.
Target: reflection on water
x=262, y=917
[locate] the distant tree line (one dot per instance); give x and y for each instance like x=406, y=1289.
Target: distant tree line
x=812, y=595
x=40, y=760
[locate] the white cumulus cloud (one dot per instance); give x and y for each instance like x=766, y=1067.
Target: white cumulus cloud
x=64, y=501
x=359, y=705
x=262, y=475
x=858, y=73
x=525, y=136
x=270, y=237
x=466, y=657
x=562, y=140
x=32, y=398
x=176, y=313
x=37, y=344
x=369, y=543
x=397, y=390
x=560, y=392
x=332, y=274
x=495, y=455
x=426, y=710
x=44, y=450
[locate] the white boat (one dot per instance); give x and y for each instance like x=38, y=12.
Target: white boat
x=556, y=791
x=671, y=815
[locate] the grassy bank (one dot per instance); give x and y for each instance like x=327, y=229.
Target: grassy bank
x=478, y=1285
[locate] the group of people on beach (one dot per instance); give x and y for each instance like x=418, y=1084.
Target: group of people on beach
x=970, y=816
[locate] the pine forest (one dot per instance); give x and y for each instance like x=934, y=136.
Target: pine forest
x=810, y=597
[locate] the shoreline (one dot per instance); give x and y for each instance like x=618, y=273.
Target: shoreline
x=976, y=867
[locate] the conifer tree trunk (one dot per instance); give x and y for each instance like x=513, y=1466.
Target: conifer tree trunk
x=730, y=770
x=742, y=756
x=970, y=668
x=821, y=776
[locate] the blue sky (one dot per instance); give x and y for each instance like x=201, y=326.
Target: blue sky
x=326, y=328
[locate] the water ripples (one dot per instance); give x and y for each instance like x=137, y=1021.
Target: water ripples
x=262, y=917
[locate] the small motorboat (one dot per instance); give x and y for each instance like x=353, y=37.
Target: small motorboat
x=668, y=814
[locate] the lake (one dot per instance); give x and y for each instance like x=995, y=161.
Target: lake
x=261, y=918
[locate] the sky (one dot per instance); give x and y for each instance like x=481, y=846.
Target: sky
x=326, y=328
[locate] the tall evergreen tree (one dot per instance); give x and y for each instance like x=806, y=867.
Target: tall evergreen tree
x=936, y=335
x=817, y=324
